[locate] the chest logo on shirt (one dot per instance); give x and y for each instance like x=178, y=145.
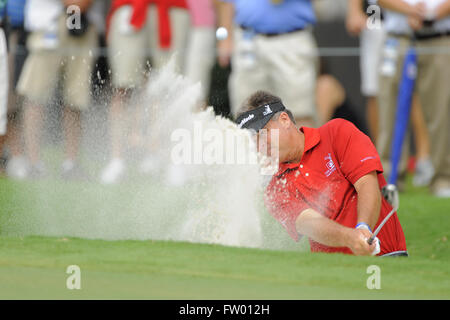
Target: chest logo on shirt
x=330, y=165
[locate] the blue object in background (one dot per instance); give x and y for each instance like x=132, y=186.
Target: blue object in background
x=404, y=100
x=267, y=16
x=2, y=9
x=14, y=10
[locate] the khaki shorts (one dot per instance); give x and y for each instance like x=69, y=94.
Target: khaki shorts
x=371, y=42
x=128, y=48
x=201, y=56
x=285, y=65
x=48, y=56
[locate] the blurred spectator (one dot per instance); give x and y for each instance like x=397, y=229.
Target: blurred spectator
x=371, y=43
x=16, y=35
x=429, y=22
x=3, y=77
x=397, y=41
x=136, y=26
x=202, y=40
x=272, y=48
x=57, y=41
x=333, y=102
x=330, y=10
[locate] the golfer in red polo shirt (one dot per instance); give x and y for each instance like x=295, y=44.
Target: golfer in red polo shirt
x=328, y=186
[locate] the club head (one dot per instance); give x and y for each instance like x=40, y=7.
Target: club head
x=390, y=193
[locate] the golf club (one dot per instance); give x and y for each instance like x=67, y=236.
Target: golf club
x=390, y=193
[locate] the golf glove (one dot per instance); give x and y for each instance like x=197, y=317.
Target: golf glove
x=376, y=240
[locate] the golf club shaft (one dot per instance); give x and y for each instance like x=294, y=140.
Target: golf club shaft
x=370, y=240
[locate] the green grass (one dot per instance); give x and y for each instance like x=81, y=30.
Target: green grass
x=34, y=267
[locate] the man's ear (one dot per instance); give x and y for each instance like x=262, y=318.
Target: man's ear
x=285, y=120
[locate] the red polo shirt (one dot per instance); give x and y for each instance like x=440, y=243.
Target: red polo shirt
x=335, y=156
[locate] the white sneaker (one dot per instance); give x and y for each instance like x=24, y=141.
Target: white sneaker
x=424, y=173
x=442, y=192
x=17, y=168
x=113, y=172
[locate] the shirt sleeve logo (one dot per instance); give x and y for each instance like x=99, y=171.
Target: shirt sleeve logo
x=330, y=165
x=368, y=158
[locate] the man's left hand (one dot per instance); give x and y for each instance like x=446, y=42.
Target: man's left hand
x=365, y=232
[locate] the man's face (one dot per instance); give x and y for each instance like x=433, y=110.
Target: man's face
x=273, y=139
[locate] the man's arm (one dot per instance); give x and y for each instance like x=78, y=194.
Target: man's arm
x=403, y=7
x=328, y=232
x=356, y=19
x=443, y=10
x=369, y=199
x=225, y=15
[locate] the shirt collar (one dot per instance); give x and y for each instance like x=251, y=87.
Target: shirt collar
x=312, y=138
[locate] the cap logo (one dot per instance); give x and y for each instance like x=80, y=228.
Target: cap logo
x=267, y=110
x=245, y=120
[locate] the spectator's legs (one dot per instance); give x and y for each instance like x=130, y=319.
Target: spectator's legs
x=424, y=167
x=17, y=164
x=2, y=143
x=371, y=45
x=33, y=121
x=76, y=94
x=72, y=132
x=13, y=136
x=421, y=137
x=330, y=94
x=200, y=57
x=3, y=88
x=36, y=83
x=118, y=118
x=127, y=52
x=432, y=83
x=117, y=121
x=180, y=26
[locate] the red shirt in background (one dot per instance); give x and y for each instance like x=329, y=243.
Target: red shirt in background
x=335, y=156
x=139, y=16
